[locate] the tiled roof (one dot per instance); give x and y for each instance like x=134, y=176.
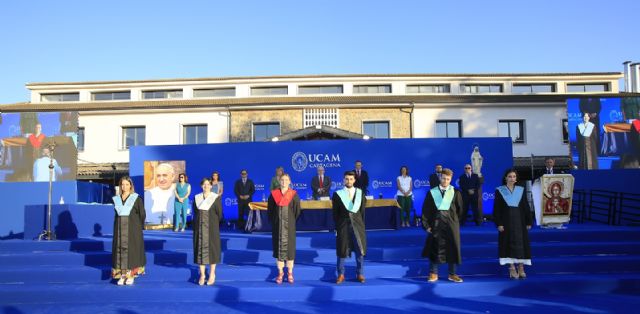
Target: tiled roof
x=230, y=78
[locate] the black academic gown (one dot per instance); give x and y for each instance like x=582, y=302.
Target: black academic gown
x=344, y=221
x=587, y=150
x=283, y=227
x=513, y=242
x=206, y=233
x=127, y=251
x=443, y=243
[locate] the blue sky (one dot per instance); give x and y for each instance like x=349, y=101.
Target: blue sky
x=54, y=41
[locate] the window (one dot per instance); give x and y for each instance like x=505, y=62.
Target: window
x=513, y=129
x=162, y=94
x=428, y=89
x=372, y=89
x=133, y=136
x=215, y=92
x=320, y=116
x=480, y=88
x=565, y=131
x=269, y=91
x=111, y=96
x=449, y=128
x=376, y=129
x=587, y=88
x=533, y=88
x=194, y=134
x=265, y=131
x=60, y=97
x=328, y=89
x=81, y=139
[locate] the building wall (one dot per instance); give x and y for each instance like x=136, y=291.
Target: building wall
x=351, y=119
x=543, y=124
x=242, y=122
x=103, y=131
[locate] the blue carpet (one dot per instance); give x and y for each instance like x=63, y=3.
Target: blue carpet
x=586, y=268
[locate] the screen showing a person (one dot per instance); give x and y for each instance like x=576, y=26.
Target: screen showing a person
x=38, y=146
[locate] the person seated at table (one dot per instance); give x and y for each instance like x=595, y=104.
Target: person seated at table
x=283, y=209
x=320, y=184
x=348, y=205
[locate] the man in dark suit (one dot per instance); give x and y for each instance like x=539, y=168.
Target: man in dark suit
x=362, y=178
x=549, y=164
x=469, y=183
x=434, y=178
x=320, y=184
x=244, y=189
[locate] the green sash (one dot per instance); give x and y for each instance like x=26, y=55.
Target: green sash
x=443, y=203
x=350, y=206
x=124, y=209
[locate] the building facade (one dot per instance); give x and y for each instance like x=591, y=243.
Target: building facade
x=114, y=115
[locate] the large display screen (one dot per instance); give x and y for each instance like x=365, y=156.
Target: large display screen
x=38, y=146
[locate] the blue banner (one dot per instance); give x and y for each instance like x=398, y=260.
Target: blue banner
x=381, y=158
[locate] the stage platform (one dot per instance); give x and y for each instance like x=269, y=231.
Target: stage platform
x=586, y=268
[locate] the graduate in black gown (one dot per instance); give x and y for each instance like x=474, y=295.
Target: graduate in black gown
x=440, y=217
x=348, y=214
x=127, y=253
x=283, y=209
x=207, y=208
x=513, y=218
x=588, y=146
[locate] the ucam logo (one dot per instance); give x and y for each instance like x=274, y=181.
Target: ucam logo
x=259, y=187
x=299, y=161
x=230, y=201
x=487, y=196
x=417, y=183
x=336, y=185
x=381, y=184
x=615, y=115
x=299, y=186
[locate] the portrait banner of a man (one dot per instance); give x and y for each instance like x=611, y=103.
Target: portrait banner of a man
x=552, y=199
x=160, y=178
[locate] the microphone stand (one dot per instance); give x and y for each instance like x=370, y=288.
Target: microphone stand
x=47, y=234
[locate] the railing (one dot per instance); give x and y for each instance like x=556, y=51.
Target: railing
x=612, y=208
x=628, y=209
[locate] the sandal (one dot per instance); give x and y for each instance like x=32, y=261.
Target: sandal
x=201, y=280
x=512, y=273
x=212, y=280
x=290, y=277
x=279, y=278
x=521, y=272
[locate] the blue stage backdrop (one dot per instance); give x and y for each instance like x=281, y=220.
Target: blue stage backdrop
x=382, y=158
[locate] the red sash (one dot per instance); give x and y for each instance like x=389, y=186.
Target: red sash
x=283, y=200
x=36, y=141
x=636, y=125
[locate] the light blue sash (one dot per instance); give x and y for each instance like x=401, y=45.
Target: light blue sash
x=205, y=203
x=344, y=197
x=443, y=203
x=586, y=129
x=124, y=209
x=512, y=198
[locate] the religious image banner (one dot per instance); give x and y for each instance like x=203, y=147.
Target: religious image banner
x=604, y=132
x=160, y=178
x=553, y=196
x=38, y=146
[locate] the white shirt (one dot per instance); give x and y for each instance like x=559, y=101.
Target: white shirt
x=405, y=185
x=352, y=191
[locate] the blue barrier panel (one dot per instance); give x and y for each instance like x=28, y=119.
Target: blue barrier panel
x=382, y=159
x=69, y=221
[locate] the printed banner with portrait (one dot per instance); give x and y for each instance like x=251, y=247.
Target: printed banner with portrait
x=30, y=142
x=160, y=178
x=552, y=198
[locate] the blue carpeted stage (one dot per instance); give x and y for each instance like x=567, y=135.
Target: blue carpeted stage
x=586, y=268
